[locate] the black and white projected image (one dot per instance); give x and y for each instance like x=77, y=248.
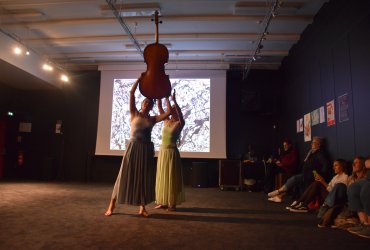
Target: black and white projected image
x=193, y=97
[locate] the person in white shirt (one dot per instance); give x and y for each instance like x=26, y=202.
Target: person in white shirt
x=319, y=188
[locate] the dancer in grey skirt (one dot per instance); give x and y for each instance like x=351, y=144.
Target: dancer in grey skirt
x=135, y=184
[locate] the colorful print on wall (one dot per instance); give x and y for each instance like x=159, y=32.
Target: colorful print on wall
x=300, y=125
x=322, y=114
x=343, y=108
x=315, y=117
x=307, y=127
x=330, y=113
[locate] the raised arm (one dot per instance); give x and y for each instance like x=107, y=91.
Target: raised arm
x=159, y=105
x=178, y=110
x=133, y=109
x=164, y=115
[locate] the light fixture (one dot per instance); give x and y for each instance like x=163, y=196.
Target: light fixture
x=272, y=13
x=47, y=67
x=64, y=78
x=17, y=50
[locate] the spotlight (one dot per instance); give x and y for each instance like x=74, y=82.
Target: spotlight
x=64, y=78
x=27, y=53
x=17, y=51
x=47, y=67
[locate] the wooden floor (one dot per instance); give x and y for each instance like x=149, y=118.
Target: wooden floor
x=46, y=215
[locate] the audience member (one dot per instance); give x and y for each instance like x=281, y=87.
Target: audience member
x=319, y=189
x=336, y=201
x=317, y=160
x=286, y=163
x=359, y=201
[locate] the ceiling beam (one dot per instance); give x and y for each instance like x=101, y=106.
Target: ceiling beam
x=115, y=54
x=189, y=18
x=172, y=37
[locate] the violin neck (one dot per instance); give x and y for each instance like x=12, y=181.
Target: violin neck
x=156, y=33
x=156, y=25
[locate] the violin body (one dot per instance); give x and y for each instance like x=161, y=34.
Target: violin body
x=154, y=83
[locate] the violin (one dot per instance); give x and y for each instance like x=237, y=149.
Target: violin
x=154, y=83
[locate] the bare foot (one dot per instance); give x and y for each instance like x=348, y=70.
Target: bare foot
x=143, y=212
x=160, y=206
x=111, y=207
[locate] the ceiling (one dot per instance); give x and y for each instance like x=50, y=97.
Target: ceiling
x=83, y=34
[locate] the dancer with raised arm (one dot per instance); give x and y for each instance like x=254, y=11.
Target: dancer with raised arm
x=169, y=181
x=135, y=182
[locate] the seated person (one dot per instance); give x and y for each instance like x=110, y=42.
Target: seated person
x=359, y=202
x=252, y=168
x=317, y=160
x=335, y=202
x=320, y=188
x=286, y=163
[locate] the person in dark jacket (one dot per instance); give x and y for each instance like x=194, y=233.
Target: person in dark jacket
x=286, y=163
x=315, y=161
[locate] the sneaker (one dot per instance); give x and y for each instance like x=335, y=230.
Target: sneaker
x=365, y=232
x=276, y=199
x=299, y=209
x=356, y=228
x=293, y=205
x=321, y=225
x=273, y=193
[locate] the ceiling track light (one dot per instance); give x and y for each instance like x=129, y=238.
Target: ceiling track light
x=273, y=12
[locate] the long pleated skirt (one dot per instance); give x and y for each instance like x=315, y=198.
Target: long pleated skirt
x=135, y=183
x=169, y=187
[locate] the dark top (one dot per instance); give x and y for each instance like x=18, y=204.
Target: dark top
x=318, y=161
x=289, y=160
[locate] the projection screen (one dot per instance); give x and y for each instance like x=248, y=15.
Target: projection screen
x=201, y=95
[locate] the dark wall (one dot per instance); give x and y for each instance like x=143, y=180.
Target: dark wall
x=48, y=155
x=331, y=59
x=253, y=109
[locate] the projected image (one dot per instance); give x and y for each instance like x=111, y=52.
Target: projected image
x=193, y=97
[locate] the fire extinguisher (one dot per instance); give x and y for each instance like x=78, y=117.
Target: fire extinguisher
x=20, y=158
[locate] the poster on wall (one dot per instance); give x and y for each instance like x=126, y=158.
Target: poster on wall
x=297, y=125
x=307, y=127
x=322, y=114
x=343, y=108
x=300, y=125
x=330, y=115
x=315, y=117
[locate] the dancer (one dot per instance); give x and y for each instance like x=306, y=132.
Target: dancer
x=135, y=180
x=169, y=186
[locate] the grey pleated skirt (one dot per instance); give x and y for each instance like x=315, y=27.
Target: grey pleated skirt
x=135, y=184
